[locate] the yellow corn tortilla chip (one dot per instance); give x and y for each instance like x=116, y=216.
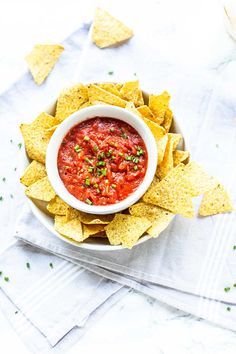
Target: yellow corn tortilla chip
x=41, y=190
x=70, y=101
x=130, y=92
x=107, y=31
x=172, y=193
x=215, y=201
x=85, y=105
x=100, y=234
x=92, y=230
x=72, y=213
x=86, y=218
x=37, y=135
x=155, y=128
x=71, y=229
x=126, y=229
x=57, y=206
x=160, y=218
x=33, y=173
x=131, y=107
x=119, y=86
x=110, y=87
x=96, y=93
x=180, y=156
x=168, y=162
x=158, y=105
x=198, y=180
x=161, y=147
x=42, y=60
x=167, y=119
x=145, y=111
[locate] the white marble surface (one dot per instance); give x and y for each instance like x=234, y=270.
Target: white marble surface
x=136, y=323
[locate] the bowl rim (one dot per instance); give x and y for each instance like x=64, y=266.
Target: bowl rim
x=105, y=111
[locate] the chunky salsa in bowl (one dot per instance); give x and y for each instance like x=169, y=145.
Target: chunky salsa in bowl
x=101, y=159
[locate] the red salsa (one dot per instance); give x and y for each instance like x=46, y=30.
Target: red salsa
x=102, y=161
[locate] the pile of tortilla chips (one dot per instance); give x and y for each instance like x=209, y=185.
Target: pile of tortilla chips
x=176, y=182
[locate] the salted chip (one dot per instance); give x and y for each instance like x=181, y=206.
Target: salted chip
x=37, y=135
x=168, y=162
x=167, y=119
x=130, y=92
x=71, y=228
x=180, y=156
x=41, y=190
x=145, y=111
x=126, y=229
x=158, y=105
x=72, y=213
x=92, y=230
x=86, y=218
x=172, y=193
x=160, y=218
x=215, y=201
x=33, y=173
x=42, y=60
x=57, y=206
x=108, y=31
x=155, y=128
x=96, y=93
x=161, y=147
x=197, y=180
x=70, y=101
x=110, y=87
x=131, y=107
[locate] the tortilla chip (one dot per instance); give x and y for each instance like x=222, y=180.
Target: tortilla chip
x=180, y=156
x=110, y=87
x=85, y=105
x=130, y=92
x=161, y=147
x=86, y=218
x=172, y=193
x=96, y=93
x=101, y=234
x=167, y=119
x=155, y=128
x=108, y=31
x=215, y=201
x=36, y=136
x=158, y=105
x=57, y=206
x=42, y=60
x=33, y=173
x=131, y=107
x=198, y=181
x=168, y=162
x=41, y=190
x=92, y=230
x=145, y=111
x=72, y=213
x=71, y=229
x=160, y=218
x=119, y=86
x=70, y=100
x=126, y=229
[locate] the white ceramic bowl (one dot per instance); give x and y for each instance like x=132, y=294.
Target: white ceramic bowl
x=81, y=116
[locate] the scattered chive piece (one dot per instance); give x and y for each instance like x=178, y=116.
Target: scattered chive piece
x=135, y=167
x=135, y=74
x=128, y=158
x=227, y=289
x=15, y=168
x=86, y=138
x=135, y=160
x=113, y=157
x=87, y=181
x=87, y=160
x=234, y=248
x=95, y=185
x=110, y=72
x=112, y=130
x=123, y=135
x=51, y=265
x=120, y=154
x=95, y=148
x=90, y=169
x=101, y=156
x=228, y=308
x=217, y=145
x=77, y=148
x=108, y=154
x=234, y=285
x=11, y=195
x=4, y=179
x=98, y=190
x=113, y=186
x=88, y=201
x=104, y=171
x=0, y=273
x=19, y=145
x=6, y=278
x=11, y=141
x=28, y=265
x=101, y=163
x=140, y=152
x=16, y=312
x=1, y=198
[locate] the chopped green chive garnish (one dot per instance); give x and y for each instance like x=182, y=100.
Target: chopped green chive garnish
x=20, y=145
x=15, y=168
x=77, y=148
x=11, y=195
x=95, y=148
x=16, y=312
x=101, y=156
x=87, y=181
x=0, y=273
x=128, y=158
x=234, y=248
x=87, y=160
x=113, y=157
x=108, y=154
x=4, y=179
x=123, y=135
x=90, y=169
x=28, y=265
x=86, y=138
x=11, y=141
x=51, y=265
x=101, y=163
x=110, y=72
x=104, y=171
x=234, y=285
x=121, y=154
x=6, y=278
x=228, y=308
x=113, y=186
x=135, y=74
x=140, y=152
x=227, y=289
x=136, y=168
x=88, y=201
x=135, y=160
x=95, y=185
x=1, y=198
x=112, y=130
x=98, y=190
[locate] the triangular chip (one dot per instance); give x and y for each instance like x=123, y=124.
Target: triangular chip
x=96, y=93
x=57, y=206
x=167, y=119
x=172, y=193
x=108, y=31
x=131, y=107
x=86, y=218
x=161, y=147
x=33, y=173
x=130, y=92
x=42, y=60
x=92, y=230
x=215, y=201
x=146, y=113
x=180, y=156
x=168, y=163
x=158, y=105
x=41, y=190
x=110, y=87
x=160, y=218
x=70, y=100
x=71, y=229
x=126, y=229
x=155, y=128
x=37, y=135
